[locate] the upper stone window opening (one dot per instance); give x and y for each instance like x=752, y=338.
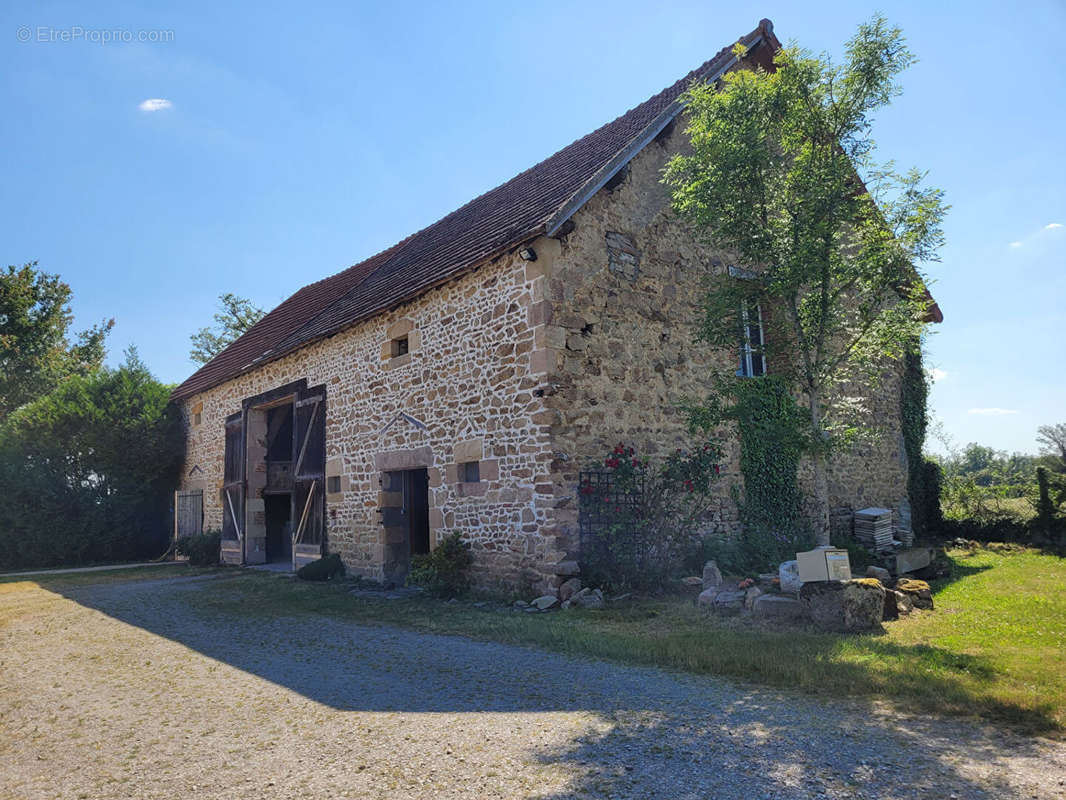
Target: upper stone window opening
x=401, y=346
x=752, y=343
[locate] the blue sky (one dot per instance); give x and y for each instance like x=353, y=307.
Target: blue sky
x=292, y=145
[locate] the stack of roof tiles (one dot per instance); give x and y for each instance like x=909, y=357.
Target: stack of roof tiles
x=874, y=528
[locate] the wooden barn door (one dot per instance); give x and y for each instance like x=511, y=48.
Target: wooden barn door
x=188, y=513
x=309, y=475
x=233, y=490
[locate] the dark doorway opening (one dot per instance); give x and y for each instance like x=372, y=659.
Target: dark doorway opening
x=405, y=515
x=278, y=527
x=416, y=500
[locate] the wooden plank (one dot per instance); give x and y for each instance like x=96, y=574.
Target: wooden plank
x=307, y=438
x=233, y=515
x=303, y=517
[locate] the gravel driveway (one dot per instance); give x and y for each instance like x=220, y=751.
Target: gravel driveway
x=128, y=691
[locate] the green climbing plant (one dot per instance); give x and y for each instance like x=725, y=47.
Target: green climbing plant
x=774, y=435
x=923, y=478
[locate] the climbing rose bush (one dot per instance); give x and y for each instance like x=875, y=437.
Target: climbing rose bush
x=640, y=520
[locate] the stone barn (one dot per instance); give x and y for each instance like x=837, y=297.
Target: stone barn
x=459, y=380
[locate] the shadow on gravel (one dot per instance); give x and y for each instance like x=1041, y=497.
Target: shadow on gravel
x=660, y=734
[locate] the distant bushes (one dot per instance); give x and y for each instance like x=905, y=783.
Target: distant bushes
x=87, y=471
x=202, y=550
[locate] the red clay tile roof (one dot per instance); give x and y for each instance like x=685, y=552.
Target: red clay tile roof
x=487, y=226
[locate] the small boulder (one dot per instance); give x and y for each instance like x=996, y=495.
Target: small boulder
x=588, y=599
x=544, y=602
x=779, y=606
x=880, y=573
x=692, y=580
x=569, y=589
x=752, y=594
x=789, y=575
x=896, y=604
x=918, y=591
x=863, y=604
x=566, y=568
x=903, y=602
x=706, y=598
x=729, y=603
x=712, y=576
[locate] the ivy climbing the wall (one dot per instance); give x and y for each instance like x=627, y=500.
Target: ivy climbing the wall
x=923, y=476
x=773, y=437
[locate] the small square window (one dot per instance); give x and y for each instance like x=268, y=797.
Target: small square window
x=470, y=472
x=197, y=418
x=400, y=346
x=333, y=484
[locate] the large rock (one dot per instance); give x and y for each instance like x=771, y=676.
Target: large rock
x=896, y=603
x=880, y=573
x=789, y=575
x=855, y=605
x=587, y=599
x=729, y=603
x=751, y=595
x=544, y=602
x=918, y=591
x=712, y=576
x=779, y=606
x=566, y=568
x=569, y=588
x=863, y=603
x=706, y=598
x=824, y=601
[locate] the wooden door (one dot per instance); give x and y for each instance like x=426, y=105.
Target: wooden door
x=233, y=491
x=188, y=513
x=309, y=475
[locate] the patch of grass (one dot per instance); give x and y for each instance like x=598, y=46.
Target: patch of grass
x=995, y=647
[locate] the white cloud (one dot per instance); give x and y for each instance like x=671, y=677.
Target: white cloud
x=993, y=412
x=937, y=374
x=1036, y=236
x=155, y=104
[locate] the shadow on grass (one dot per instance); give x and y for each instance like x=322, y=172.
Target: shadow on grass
x=656, y=734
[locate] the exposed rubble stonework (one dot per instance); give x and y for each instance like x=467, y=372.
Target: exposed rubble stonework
x=467, y=384
x=531, y=368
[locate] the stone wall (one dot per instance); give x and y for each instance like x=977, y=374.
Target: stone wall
x=624, y=290
x=466, y=387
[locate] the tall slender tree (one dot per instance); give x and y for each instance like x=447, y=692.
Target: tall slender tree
x=36, y=353
x=782, y=172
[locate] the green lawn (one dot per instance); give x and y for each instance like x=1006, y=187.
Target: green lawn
x=995, y=646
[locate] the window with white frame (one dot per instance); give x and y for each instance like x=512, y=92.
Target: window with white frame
x=752, y=352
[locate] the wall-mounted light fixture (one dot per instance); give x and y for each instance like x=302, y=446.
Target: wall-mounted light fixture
x=528, y=253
